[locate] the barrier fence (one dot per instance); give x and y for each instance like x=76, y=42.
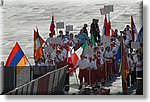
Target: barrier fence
x=50, y=83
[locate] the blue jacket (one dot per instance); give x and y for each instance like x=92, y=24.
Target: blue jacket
x=82, y=38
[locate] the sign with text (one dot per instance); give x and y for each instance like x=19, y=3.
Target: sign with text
x=48, y=49
x=69, y=28
x=103, y=11
x=111, y=8
x=59, y=25
x=107, y=9
x=89, y=51
x=105, y=39
x=56, y=41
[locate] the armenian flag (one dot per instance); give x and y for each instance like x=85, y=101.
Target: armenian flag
x=16, y=57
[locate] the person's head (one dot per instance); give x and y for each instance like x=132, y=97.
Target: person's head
x=127, y=27
x=102, y=48
x=96, y=20
x=93, y=20
x=71, y=35
x=48, y=56
x=85, y=25
x=81, y=31
x=61, y=32
x=50, y=35
x=58, y=52
x=90, y=43
x=40, y=60
x=76, y=36
x=116, y=31
x=96, y=49
x=108, y=48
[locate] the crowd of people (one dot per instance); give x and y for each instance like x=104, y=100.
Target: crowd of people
x=96, y=68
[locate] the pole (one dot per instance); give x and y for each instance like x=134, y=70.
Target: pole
x=30, y=70
x=76, y=78
x=122, y=68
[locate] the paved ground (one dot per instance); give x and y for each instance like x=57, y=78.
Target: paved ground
x=115, y=86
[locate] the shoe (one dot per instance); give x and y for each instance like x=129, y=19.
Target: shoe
x=80, y=87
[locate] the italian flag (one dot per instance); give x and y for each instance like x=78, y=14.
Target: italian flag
x=76, y=55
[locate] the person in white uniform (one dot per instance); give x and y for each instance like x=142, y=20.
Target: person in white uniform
x=82, y=65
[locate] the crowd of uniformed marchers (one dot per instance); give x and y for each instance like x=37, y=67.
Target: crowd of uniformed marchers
x=95, y=69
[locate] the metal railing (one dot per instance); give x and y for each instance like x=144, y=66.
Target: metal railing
x=50, y=83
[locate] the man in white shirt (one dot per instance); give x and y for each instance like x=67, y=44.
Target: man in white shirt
x=91, y=67
x=82, y=65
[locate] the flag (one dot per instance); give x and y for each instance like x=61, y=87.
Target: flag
x=109, y=28
x=69, y=60
x=52, y=26
x=16, y=57
x=140, y=35
x=76, y=55
x=133, y=30
x=106, y=27
x=118, y=55
x=93, y=40
x=70, y=52
x=125, y=70
x=38, y=42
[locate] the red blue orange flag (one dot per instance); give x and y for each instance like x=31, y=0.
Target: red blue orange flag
x=16, y=57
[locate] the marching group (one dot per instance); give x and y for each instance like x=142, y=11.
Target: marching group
x=96, y=68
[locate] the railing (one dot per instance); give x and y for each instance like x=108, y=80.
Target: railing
x=50, y=83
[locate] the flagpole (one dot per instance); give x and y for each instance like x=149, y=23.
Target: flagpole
x=122, y=63
x=30, y=69
x=122, y=68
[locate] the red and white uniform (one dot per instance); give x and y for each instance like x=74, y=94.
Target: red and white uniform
x=82, y=70
x=91, y=65
x=108, y=63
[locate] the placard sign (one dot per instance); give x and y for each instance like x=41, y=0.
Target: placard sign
x=135, y=45
x=69, y=28
x=56, y=41
x=103, y=11
x=59, y=25
x=111, y=8
x=48, y=49
x=107, y=9
x=105, y=39
x=89, y=51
